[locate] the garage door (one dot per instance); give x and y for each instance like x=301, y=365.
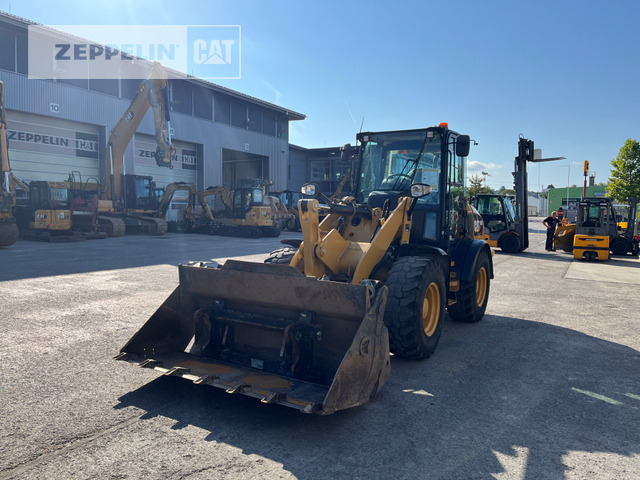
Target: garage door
x=184, y=161
x=43, y=148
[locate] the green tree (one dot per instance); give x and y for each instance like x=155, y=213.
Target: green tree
x=476, y=186
x=624, y=181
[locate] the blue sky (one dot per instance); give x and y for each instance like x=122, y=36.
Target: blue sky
x=565, y=74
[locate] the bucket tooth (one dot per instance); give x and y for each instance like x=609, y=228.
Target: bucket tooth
x=122, y=356
x=311, y=408
x=274, y=397
x=206, y=379
x=238, y=388
x=149, y=363
x=177, y=372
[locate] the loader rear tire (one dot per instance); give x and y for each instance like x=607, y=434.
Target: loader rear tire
x=415, y=307
x=282, y=255
x=473, y=296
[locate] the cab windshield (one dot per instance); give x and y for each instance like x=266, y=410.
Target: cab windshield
x=393, y=161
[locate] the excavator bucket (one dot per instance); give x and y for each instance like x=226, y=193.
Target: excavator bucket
x=269, y=332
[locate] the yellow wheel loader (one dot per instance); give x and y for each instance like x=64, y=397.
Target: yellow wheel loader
x=313, y=327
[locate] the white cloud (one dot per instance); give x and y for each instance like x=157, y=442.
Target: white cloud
x=476, y=168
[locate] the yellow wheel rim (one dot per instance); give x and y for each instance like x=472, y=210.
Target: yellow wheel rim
x=481, y=286
x=431, y=309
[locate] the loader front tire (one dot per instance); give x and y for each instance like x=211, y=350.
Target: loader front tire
x=510, y=243
x=415, y=307
x=473, y=296
x=282, y=255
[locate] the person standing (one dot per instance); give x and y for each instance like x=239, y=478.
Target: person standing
x=551, y=223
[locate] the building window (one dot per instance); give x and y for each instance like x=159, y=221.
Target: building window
x=222, y=109
x=283, y=127
x=269, y=123
x=22, y=54
x=7, y=50
x=239, y=115
x=182, y=101
x=108, y=86
x=202, y=104
x=75, y=82
x=320, y=171
x=255, y=119
x=129, y=87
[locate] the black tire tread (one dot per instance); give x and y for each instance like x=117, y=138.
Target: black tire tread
x=406, y=284
x=282, y=255
x=466, y=309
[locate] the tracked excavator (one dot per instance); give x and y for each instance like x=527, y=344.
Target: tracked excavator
x=128, y=202
x=167, y=197
x=244, y=213
x=50, y=213
x=313, y=328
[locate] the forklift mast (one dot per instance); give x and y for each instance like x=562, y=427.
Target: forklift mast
x=526, y=153
x=521, y=186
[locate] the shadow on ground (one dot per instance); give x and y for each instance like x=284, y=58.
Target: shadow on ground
x=505, y=388
x=27, y=259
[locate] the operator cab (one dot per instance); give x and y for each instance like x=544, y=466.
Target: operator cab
x=497, y=212
x=393, y=161
x=141, y=193
x=48, y=195
x=596, y=218
x=245, y=198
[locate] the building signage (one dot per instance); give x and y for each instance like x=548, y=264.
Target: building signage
x=184, y=158
x=188, y=159
x=44, y=139
x=65, y=51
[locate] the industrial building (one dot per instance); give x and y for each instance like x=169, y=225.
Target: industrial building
x=61, y=126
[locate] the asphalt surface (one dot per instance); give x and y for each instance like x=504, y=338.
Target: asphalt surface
x=547, y=385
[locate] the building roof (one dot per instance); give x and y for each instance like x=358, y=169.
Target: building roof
x=291, y=115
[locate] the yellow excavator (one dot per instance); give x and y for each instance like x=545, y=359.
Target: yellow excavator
x=9, y=232
x=313, y=328
x=244, y=213
x=50, y=213
x=128, y=202
x=167, y=197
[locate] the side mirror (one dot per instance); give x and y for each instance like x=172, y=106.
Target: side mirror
x=419, y=190
x=463, y=143
x=309, y=189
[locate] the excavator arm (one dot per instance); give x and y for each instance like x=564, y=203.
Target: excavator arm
x=153, y=93
x=170, y=190
x=222, y=193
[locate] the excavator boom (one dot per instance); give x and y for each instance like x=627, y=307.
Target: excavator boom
x=153, y=93
x=8, y=228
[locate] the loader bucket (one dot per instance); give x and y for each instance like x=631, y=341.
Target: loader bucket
x=269, y=332
x=564, y=237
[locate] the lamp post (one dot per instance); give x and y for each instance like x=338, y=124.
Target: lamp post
x=485, y=177
x=568, y=175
